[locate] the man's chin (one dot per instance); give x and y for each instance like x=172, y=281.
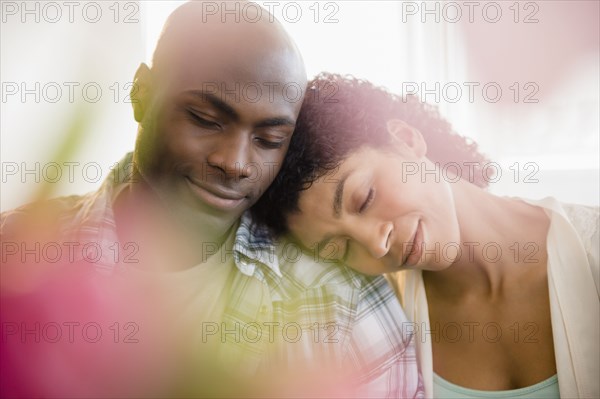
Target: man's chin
x=203, y=216
x=194, y=213
x=217, y=198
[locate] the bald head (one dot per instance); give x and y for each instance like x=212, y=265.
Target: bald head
x=231, y=34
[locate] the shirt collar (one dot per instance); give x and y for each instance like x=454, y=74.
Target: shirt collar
x=254, y=243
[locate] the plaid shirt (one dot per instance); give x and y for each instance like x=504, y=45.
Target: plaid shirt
x=302, y=307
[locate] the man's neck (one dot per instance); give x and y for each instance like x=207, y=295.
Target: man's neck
x=163, y=242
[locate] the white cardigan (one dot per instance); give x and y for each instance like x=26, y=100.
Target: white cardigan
x=573, y=282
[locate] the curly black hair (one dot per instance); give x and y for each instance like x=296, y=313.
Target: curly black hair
x=341, y=114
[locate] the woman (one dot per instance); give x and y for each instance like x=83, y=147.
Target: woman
x=503, y=292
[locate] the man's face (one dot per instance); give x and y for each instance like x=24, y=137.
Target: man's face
x=217, y=131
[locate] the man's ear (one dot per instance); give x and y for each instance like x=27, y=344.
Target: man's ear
x=140, y=92
x=406, y=137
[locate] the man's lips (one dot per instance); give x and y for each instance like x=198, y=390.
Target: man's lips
x=415, y=247
x=216, y=196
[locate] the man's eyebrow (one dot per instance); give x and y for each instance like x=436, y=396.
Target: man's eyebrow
x=339, y=195
x=216, y=102
x=282, y=121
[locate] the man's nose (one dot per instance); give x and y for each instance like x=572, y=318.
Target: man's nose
x=375, y=236
x=231, y=155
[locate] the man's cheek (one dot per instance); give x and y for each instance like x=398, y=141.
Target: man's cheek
x=270, y=168
x=183, y=140
x=254, y=173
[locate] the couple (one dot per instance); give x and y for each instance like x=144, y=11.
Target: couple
x=340, y=186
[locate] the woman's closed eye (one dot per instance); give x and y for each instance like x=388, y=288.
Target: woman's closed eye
x=367, y=201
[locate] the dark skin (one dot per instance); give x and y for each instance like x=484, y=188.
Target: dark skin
x=214, y=126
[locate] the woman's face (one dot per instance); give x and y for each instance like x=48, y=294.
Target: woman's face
x=380, y=211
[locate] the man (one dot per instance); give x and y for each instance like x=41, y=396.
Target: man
x=216, y=111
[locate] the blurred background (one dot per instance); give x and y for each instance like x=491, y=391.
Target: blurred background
x=519, y=77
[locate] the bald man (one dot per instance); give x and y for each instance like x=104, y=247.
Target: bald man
x=216, y=111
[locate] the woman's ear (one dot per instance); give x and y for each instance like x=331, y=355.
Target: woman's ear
x=406, y=137
x=140, y=92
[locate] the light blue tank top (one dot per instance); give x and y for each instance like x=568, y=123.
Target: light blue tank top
x=547, y=389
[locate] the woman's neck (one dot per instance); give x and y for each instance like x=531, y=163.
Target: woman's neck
x=501, y=238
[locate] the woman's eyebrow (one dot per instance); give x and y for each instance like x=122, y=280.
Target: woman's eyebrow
x=339, y=195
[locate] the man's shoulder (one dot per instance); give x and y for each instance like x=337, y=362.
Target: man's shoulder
x=305, y=276
x=309, y=270
x=303, y=271
x=51, y=216
x=65, y=212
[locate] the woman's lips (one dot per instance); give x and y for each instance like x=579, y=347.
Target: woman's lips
x=215, y=196
x=416, y=247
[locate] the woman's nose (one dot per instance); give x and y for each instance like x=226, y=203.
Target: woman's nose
x=375, y=237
